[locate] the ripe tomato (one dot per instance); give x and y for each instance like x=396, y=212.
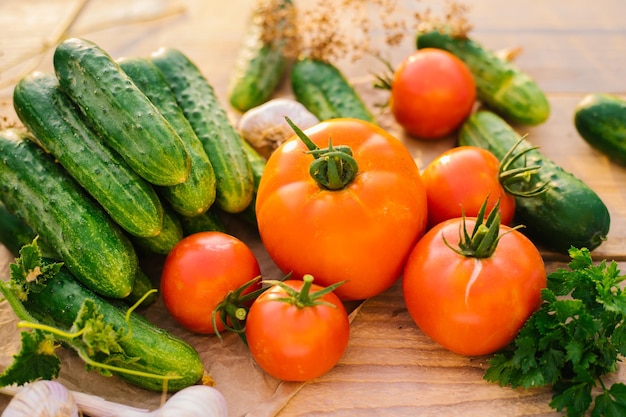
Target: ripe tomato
x=361, y=232
x=472, y=306
x=198, y=274
x=297, y=341
x=432, y=92
x=460, y=179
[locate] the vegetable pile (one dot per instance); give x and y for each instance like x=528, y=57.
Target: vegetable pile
x=119, y=160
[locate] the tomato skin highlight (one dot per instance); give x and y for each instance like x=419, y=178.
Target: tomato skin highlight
x=462, y=178
x=432, y=93
x=199, y=272
x=292, y=343
x=472, y=306
x=361, y=234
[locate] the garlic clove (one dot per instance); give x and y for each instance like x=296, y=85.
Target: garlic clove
x=42, y=399
x=265, y=128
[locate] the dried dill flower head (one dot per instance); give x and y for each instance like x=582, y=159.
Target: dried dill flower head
x=327, y=35
x=454, y=20
x=278, y=22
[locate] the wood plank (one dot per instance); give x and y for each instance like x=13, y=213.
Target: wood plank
x=390, y=367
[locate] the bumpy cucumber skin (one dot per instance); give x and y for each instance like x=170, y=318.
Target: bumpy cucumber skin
x=43, y=195
x=500, y=85
x=158, y=351
x=260, y=66
x=171, y=234
x=325, y=92
x=58, y=127
x=206, y=222
x=567, y=214
x=600, y=120
x=222, y=143
x=120, y=112
x=257, y=163
x=15, y=233
x=197, y=193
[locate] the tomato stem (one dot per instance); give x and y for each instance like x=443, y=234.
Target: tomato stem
x=484, y=238
x=304, y=297
x=521, y=175
x=333, y=168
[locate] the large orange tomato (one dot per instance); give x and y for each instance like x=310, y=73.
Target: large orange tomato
x=359, y=226
x=473, y=301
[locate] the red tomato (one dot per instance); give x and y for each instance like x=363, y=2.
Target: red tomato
x=461, y=179
x=361, y=233
x=472, y=306
x=432, y=92
x=296, y=343
x=199, y=272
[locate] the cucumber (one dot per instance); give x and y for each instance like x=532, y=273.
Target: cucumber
x=14, y=234
x=257, y=163
x=600, y=120
x=157, y=351
x=120, y=112
x=500, y=85
x=197, y=193
x=207, y=222
x=262, y=59
x=222, y=143
x=44, y=196
x=568, y=213
x=171, y=234
x=325, y=92
x=58, y=127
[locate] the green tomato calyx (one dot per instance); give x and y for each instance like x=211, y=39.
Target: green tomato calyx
x=483, y=240
x=304, y=297
x=333, y=168
x=515, y=179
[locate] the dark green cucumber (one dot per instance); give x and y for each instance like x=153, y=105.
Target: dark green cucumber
x=157, y=351
x=120, y=112
x=257, y=163
x=209, y=120
x=59, y=128
x=568, y=213
x=500, y=85
x=325, y=92
x=171, y=234
x=600, y=120
x=197, y=193
x=14, y=234
x=43, y=195
x=206, y=222
x=262, y=59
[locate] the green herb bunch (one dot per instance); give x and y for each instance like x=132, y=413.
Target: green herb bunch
x=577, y=336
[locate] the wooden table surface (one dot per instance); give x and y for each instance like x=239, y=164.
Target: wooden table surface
x=390, y=368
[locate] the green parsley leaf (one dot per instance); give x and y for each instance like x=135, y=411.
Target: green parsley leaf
x=29, y=272
x=574, y=339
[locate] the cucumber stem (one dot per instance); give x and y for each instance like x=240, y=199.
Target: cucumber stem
x=333, y=168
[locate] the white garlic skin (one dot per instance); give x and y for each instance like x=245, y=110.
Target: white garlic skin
x=42, y=399
x=265, y=127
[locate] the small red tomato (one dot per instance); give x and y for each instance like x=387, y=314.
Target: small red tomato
x=460, y=179
x=295, y=332
x=472, y=304
x=432, y=93
x=198, y=274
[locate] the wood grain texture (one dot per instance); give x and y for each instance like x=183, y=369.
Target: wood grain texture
x=390, y=368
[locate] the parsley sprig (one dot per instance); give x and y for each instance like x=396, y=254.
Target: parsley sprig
x=577, y=336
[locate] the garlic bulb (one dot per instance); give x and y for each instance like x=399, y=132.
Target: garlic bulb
x=265, y=128
x=42, y=399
